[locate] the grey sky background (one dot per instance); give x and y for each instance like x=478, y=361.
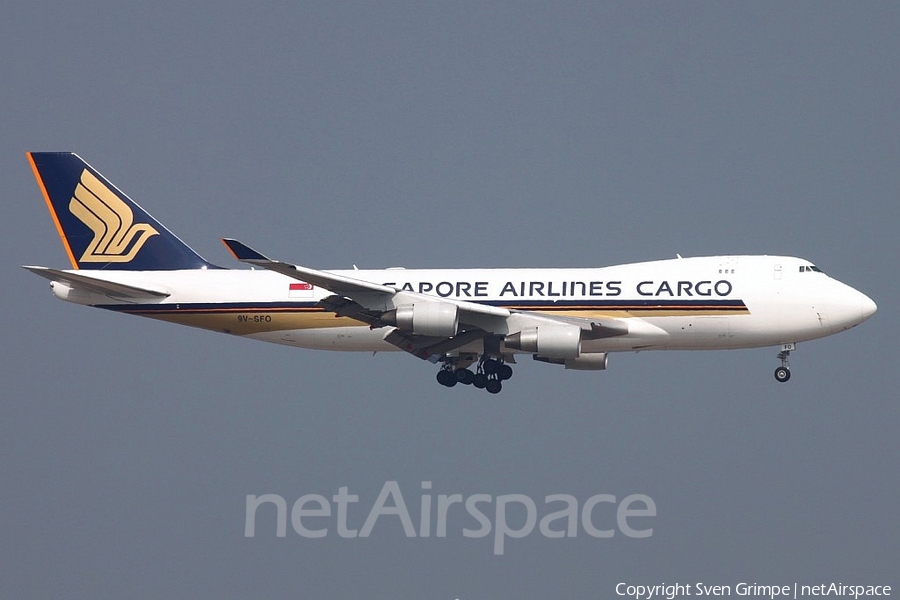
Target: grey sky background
x=449, y=135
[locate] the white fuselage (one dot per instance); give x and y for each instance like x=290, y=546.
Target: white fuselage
x=692, y=303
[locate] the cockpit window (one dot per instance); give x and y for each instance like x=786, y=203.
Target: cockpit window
x=810, y=269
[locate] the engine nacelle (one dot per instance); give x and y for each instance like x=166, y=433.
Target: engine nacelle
x=595, y=361
x=552, y=341
x=438, y=319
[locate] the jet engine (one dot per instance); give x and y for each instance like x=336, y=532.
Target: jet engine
x=552, y=341
x=594, y=361
x=438, y=319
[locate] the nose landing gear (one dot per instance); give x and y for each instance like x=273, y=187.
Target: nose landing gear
x=783, y=373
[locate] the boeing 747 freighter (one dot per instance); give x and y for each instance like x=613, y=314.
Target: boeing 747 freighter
x=474, y=323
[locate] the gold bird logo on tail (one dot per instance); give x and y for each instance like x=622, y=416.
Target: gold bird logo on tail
x=116, y=237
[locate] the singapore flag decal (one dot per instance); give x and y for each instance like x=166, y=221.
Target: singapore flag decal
x=300, y=290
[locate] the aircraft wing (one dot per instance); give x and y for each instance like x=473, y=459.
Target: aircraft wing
x=339, y=284
x=367, y=294
x=367, y=302
x=96, y=285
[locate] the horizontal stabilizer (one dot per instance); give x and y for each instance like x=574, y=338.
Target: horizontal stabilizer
x=98, y=286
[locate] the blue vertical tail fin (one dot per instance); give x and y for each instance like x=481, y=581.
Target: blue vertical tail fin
x=101, y=227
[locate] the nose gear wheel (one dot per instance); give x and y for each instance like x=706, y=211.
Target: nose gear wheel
x=783, y=373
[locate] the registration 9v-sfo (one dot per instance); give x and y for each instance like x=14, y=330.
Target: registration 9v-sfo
x=312, y=515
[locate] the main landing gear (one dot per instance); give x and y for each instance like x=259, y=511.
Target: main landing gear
x=783, y=373
x=488, y=375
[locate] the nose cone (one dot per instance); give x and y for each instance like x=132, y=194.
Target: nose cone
x=868, y=307
x=847, y=307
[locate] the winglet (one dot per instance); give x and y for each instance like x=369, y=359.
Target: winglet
x=242, y=251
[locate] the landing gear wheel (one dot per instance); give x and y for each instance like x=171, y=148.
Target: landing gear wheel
x=504, y=372
x=494, y=386
x=446, y=378
x=490, y=366
x=464, y=376
x=782, y=374
x=480, y=381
